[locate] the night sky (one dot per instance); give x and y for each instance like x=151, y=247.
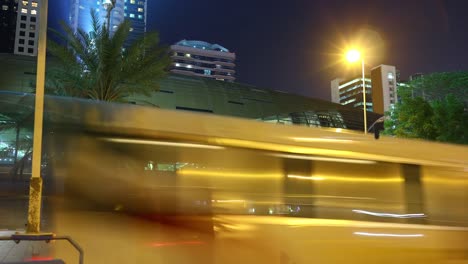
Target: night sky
x=295, y=45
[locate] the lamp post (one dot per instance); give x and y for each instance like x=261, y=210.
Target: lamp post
x=35, y=185
x=108, y=5
x=353, y=56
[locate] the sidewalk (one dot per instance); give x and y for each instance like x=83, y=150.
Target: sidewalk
x=24, y=250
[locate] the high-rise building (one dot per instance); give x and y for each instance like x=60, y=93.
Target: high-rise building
x=8, y=13
x=27, y=27
x=381, y=90
x=384, y=88
x=80, y=14
x=19, y=26
x=134, y=10
x=199, y=58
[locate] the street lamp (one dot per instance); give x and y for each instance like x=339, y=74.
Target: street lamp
x=353, y=56
x=108, y=5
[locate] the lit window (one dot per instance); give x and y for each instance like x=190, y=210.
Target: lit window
x=132, y=1
x=34, y=4
x=207, y=72
x=177, y=64
x=140, y=10
x=189, y=66
x=187, y=55
x=34, y=12
x=390, y=76
x=140, y=16
x=4, y=7
x=24, y=10
x=131, y=29
x=25, y=3
x=132, y=15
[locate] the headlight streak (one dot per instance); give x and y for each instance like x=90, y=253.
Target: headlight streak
x=419, y=215
x=387, y=235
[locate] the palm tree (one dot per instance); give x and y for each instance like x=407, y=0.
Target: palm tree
x=96, y=65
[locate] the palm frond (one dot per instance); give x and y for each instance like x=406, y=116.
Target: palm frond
x=95, y=65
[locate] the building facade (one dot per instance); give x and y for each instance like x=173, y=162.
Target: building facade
x=80, y=14
x=205, y=95
x=8, y=14
x=202, y=59
x=381, y=90
x=384, y=88
x=19, y=26
x=133, y=10
x=27, y=27
x=349, y=92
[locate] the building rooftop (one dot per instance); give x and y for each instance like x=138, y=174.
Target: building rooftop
x=201, y=45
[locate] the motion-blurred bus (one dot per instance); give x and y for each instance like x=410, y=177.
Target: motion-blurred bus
x=144, y=185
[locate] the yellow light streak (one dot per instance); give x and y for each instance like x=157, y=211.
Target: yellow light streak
x=344, y=179
x=161, y=143
x=355, y=161
x=310, y=178
x=228, y=174
x=324, y=140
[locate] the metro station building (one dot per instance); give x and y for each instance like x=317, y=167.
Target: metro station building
x=196, y=94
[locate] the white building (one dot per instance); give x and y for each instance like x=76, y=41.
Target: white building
x=381, y=90
x=199, y=58
x=349, y=92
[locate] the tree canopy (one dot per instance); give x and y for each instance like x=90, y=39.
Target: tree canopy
x=433, y=107
x=97, y=65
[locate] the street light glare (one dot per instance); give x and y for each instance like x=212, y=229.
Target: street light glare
x=353, y=55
